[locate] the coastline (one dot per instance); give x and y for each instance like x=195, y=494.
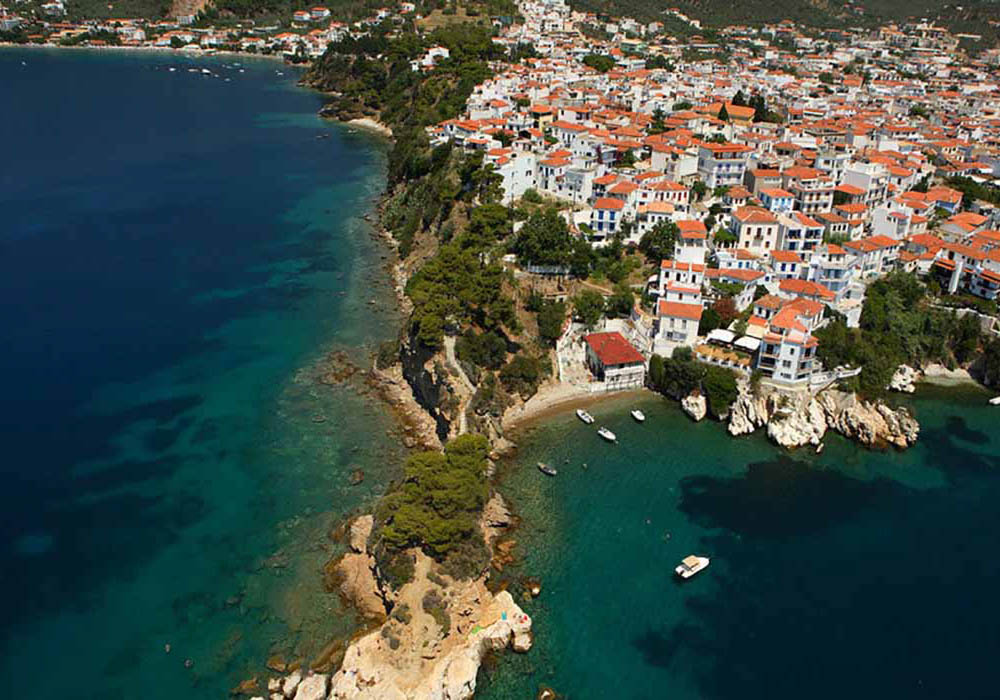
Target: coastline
x=370, y=124
x=200, y=53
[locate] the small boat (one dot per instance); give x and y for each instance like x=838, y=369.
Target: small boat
x=819, y=447
x=546, y=469
x=638, y=415
x=584, y=416
x=607, y=434
x=995, y=401
x=691, y=565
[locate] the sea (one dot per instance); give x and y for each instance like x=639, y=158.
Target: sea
x=850, y=573
x=182, y=244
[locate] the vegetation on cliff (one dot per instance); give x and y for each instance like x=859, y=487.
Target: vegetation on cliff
x=680, y=374
x=898, y=325
x=436, y=507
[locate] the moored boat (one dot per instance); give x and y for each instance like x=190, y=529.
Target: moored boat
x=690, y=565
x=995, y=401
x=584, y=416
x=607, y=434
x=546, y=469
x=638, y=415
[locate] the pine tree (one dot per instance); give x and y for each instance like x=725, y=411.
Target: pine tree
x=724, y=114
x=739, y=100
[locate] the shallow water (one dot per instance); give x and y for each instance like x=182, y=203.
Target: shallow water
x=178, y=253
x=853, y=572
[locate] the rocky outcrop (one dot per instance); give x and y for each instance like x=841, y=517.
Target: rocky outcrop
x=798, y=419
x=353, y=574
x=695, y=406
x=871, y=424
x=372, y=670
x=903, y=379
x=748, y=412
x=422, y=652
x=313, y=687
x=795, y=428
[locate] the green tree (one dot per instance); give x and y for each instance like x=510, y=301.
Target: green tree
x=588, y=306
x=621, y=302
x=720, y=389
x=551, y=317
x=602, y=64
x=724, y=113
x=658, y=243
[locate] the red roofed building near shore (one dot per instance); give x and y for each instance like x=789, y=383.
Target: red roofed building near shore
x=614, y=361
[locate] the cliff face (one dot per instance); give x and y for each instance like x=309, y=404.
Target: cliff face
x=794, y=422
x=429, y=389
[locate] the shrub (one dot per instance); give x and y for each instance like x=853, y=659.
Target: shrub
x=435, y=606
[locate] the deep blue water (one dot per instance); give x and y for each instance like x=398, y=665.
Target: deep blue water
x=177, y=251
x=853, y=573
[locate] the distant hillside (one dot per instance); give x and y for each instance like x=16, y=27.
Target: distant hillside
x=817, y=13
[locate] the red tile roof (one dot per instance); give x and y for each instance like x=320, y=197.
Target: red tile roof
x=612, y=349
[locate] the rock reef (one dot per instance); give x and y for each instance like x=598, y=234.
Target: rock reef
x=795, y=420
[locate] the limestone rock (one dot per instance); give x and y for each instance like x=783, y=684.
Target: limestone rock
x=748, y=412
x=359, y=585
x=291, y=683
x=313, y=687
x=361, y=530
x=873, y=425
x=695, y=406
x=903, y=379
x=805, y=425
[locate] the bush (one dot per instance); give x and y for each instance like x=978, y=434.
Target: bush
x=488, y=350
x=523, y=374
x=435, y=606
x=402, y=613
x=531, y=196
x=720, y=389
x=397, y=569
x=551, y=317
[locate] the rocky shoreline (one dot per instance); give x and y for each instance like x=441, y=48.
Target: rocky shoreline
x=800, y=419
x=427, y=639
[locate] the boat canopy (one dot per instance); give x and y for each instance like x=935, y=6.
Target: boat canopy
x=690, y=561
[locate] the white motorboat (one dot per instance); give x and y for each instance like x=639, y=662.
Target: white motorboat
x=607, y=434
x=995, y=401
x=584, y=416
x=691, y=565
x=546, y=469
x=638, y=415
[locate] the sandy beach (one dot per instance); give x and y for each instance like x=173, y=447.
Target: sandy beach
x=556, y=398
x=371, y=125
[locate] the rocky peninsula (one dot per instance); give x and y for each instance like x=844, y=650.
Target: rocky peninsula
x=427, y=639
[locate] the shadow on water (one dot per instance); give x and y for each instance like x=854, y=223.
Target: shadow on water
x=829, y=586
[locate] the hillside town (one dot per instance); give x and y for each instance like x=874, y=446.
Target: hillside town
x=795, y=173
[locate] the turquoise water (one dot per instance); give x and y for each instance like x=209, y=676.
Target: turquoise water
x=852, y=573
x=179, y=252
